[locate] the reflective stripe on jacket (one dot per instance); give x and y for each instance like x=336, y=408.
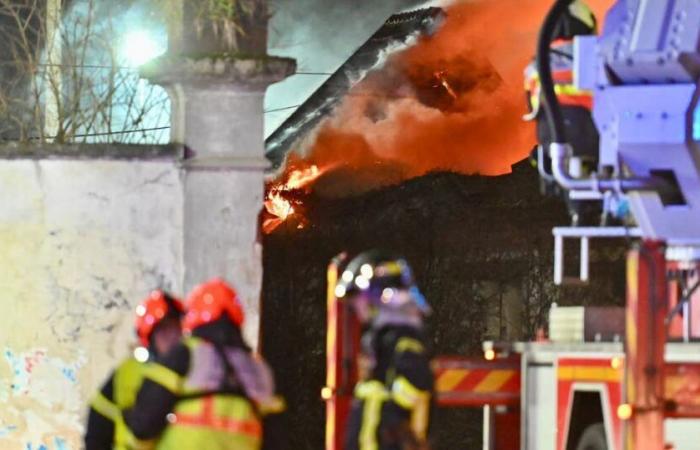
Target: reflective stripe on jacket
x=208, y=414
x=373, y=395
x=395, y=407
x=562, y=75
x=126, y=382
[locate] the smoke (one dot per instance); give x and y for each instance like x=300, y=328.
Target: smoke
x=452, y=102
x=320, y=35
x=323, y=32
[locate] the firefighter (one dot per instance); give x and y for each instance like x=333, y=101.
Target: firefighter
x=158, y=329
x=391, y=410
x=210, y=392
x=576, y=105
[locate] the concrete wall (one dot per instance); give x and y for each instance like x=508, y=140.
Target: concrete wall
x=81, y=242
x=222, y=208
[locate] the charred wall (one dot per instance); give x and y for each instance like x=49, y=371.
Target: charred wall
x=475, y=244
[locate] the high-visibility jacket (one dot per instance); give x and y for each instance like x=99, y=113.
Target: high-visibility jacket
x=562, y=74
x=212, y=412
x=125, y=382
x=392, y=407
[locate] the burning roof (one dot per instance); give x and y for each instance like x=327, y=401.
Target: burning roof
x=431, y=91
x=397, y=33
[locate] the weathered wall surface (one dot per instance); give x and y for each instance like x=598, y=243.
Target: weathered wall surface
x=221, y=228
x=81, y=242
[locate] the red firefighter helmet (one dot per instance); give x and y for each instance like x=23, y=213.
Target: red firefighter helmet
x=211, y=300
x=152, y=310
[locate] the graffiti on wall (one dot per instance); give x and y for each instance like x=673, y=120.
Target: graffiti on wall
x=80, y=243
x=43, y=392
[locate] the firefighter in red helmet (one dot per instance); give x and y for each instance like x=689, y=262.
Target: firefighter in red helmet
x=210, y=392
x=391, y=410
x=158, y=329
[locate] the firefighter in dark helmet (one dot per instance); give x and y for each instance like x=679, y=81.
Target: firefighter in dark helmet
x=391, y=410
x=576, y=106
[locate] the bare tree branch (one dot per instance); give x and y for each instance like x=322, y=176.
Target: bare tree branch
x=95, y=96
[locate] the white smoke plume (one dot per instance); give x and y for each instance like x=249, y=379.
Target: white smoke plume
x=321, y=35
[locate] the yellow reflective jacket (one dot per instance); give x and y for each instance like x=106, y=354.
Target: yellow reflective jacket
x=205, y=416
x=408, y=370
x=126, y=382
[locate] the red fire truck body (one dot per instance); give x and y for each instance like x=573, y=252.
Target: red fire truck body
x=547, y=395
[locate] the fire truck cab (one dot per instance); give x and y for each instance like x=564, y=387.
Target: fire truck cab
x=566, y=392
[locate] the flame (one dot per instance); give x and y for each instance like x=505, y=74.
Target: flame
x=299, y=178
x=441, y=75
x=278, y=207
x=454, y=101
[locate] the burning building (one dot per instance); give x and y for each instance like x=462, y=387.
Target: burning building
x=286, y=146
x=394, y=156
x=424, y=93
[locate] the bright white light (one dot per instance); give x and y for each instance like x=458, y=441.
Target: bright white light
x=348, y=276
x=362, y=282
x=387, y=294
x=141, y=354
x=139, y=47
x=367, y=271
x=340, y=291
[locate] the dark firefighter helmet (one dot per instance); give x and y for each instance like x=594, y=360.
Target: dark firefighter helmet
x=384, y=279
x=577, y=21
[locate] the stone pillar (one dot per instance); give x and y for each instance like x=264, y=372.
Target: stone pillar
x=217, y=91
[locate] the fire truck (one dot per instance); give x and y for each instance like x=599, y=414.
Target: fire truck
x=604, y=378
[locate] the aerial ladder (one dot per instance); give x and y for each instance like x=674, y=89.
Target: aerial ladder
x=640, y=389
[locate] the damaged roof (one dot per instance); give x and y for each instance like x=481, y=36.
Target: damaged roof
x=398, y=32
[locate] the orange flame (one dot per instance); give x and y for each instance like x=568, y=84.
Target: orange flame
x=441, y=75
x=280, y=208
x=454, y=101
x=299, y=178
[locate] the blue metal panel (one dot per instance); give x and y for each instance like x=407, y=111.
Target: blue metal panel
x=647, y=115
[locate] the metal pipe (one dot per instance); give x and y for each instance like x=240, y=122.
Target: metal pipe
x=488, y=437
x=597, y=232
x=583, y=274
x=585, y=234
x=686, y=321
x=558, y=259
x=560, y=154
